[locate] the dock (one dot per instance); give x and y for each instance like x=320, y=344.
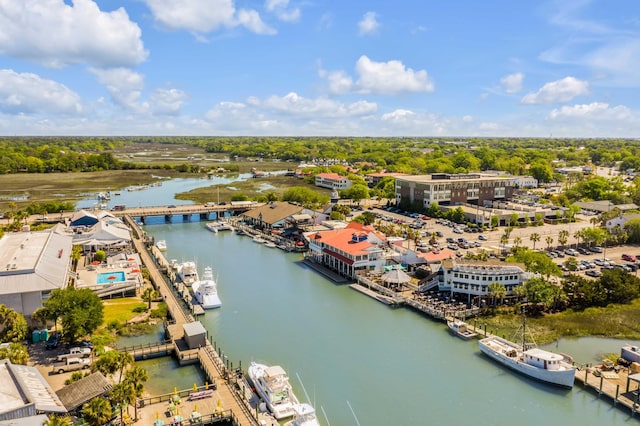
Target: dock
x=235, y=397
x=617, y=388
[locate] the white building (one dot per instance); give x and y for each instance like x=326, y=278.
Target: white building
x=526, y=182
x=32, y=264
x=473, y=279
x=332, y=181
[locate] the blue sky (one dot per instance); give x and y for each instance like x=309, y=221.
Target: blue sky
x=565, y=68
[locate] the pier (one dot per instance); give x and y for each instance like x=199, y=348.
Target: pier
x=234, y=396
x=617, y=387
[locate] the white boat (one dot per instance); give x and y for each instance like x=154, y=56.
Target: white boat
x=270, y=244
x=206, y=291
x=219, y=226
x=187, y=273
x=461, y=329
x=305, y=415
x=259, y=240
x=162, y=245
x=536, y=363
x=272, y=385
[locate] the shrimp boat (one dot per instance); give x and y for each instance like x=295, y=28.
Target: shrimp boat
x=545, y=366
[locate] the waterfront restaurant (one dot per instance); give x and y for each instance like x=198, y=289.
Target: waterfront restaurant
x=349, y=251
x=473, y=279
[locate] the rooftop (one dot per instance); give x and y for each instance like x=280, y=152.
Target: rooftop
x=22, y=386
x=442, y=177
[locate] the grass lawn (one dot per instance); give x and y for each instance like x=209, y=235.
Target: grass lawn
x=120, y=310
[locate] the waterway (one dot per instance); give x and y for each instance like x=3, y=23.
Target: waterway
x=391, y=366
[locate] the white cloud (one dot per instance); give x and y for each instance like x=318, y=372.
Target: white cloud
x=28, y=93
x=167, y=101
x=557, y=91
x=368, y=24
x=203, y=16
x=592, y=111
x=55, y=34
x=512, y=83
x=124, y=85
x=398, y=115
x=282, y=11
x=294, y=104
x=387, y=78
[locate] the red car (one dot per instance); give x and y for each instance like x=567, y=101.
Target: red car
x=628, y=258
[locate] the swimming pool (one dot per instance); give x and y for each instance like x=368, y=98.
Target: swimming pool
x=110, y=277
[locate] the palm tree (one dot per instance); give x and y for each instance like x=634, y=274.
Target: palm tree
x=563, y=237
x=496, y=290
x=136, y=375
x=148, y=295
x=534, y=238
x=578, y=235
x=549, y=241
x=97, y=412
x=123, y=394
x=54, y=420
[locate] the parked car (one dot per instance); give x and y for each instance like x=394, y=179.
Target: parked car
x=571, y=252
x=53, y=341
x=628, y=258
x=596, y=249
x=593, y=273
x=482, y=237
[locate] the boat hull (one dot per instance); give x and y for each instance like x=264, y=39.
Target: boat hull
x=561, y=378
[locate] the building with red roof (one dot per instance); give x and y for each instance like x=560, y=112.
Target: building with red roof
x=332, y=181
x=349, y=251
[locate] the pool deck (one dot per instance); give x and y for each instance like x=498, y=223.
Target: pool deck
x=128, y=264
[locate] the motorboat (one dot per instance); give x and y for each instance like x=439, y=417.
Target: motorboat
x=161, y=245
x=461, y=329
x=259, y=240
x=272, y=385
x=205, y=290
x=187, y=273
x=545, y=366
x=219, y=226
x=270, y=244
x=305, y=415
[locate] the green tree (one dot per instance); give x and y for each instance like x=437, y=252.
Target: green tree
x=136, y=375
x=13, y=326
x=356, y=193
x=54, y=420
x=563, y=237
x=148, y=295
x=100, y=255
x=496, y=291
x=542, y=171
x=304, y=196
x=632, y=228
x=534, y=238
x=549, y=241
x=80, y=311
x=16, y=353
x=122, y=394
x=112, y=362
x=97, y=412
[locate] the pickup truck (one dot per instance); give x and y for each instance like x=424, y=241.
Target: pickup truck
x=75, y=353
x=71, y=364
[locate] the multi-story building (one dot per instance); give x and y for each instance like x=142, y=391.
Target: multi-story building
x=473, y=279
x=453, y=189
x=348, y=251
x=332, y=181
x=373, y=179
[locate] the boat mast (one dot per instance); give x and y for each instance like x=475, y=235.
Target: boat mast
x=524, y=328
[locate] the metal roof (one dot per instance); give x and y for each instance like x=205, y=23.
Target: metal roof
x=84, y=390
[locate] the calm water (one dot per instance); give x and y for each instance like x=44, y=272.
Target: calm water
x=394, y=367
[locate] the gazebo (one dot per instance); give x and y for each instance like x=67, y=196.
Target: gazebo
x=395, y=278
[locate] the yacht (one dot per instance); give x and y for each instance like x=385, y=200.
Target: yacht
x=259, y=240
x=162, y=245
x=272, y=384
x=536, y=363
x=187, y=273
x=205, y=290
x=305, y=415
x=219, y=226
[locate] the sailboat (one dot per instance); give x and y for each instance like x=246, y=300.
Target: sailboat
x=531, y=361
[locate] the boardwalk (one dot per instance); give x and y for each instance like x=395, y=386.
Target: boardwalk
x=232, y=396
x=622, y=393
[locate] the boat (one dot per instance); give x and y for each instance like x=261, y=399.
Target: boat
x=461, y=329
x=259, y=240
x=533, y=362
x=187, y=273
x=205, y=290
x=305, y=415
x=219, y=226
x=270, y=244
x=162, y=245
x=272, y=385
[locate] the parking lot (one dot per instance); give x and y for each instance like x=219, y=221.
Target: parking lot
x=490, y=240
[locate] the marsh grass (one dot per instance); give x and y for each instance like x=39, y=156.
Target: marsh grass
x=615, y=321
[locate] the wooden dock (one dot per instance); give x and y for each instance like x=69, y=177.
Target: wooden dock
x=150, y=350
x=617, y=388
x=233, y=397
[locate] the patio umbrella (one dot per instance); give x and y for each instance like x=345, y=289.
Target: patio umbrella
x=396, y=276
x=96, y=262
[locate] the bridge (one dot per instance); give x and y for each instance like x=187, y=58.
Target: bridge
x=204, y=210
